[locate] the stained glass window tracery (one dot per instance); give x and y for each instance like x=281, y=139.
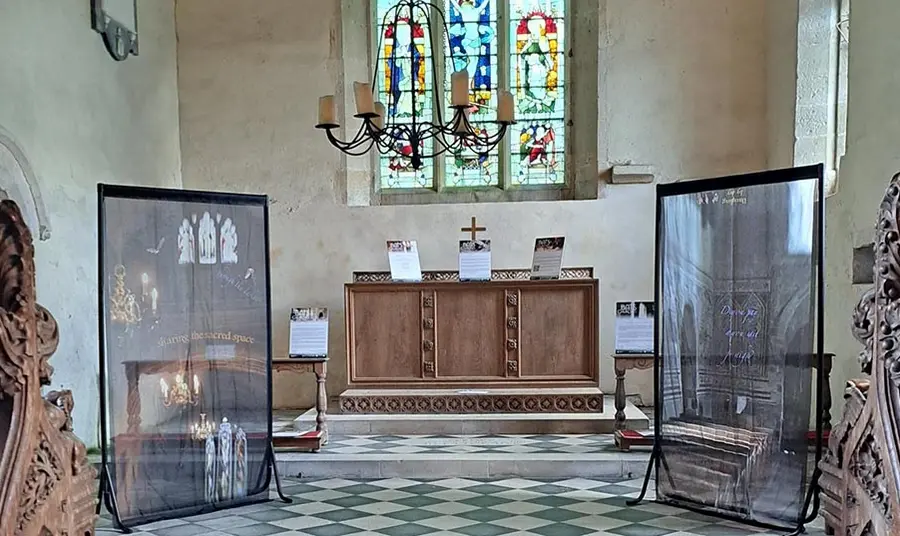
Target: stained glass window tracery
x=517, y=45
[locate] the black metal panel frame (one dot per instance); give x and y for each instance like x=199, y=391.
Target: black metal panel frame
x=107, y=491
x=724, y=183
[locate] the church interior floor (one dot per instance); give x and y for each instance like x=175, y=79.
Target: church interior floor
x=455, y=507
x=463, y=455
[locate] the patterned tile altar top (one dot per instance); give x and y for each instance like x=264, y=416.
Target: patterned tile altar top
x=456, y=507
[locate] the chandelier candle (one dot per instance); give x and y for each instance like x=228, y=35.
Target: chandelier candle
x=379, y=121
x=459, y=84
x=364, y=102
x=327, y=113
x=505, y=110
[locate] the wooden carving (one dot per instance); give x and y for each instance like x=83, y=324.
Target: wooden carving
x=861, y=468
x=46, y=483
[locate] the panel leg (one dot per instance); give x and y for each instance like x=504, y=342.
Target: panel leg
x=826, y=396
x=620, y=399
x=650, y=464
x=274, y=466
x=108, y=497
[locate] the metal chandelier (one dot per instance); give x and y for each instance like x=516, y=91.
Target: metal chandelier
x=404, y=23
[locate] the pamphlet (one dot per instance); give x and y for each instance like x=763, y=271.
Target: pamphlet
x=547, y=261
x=474, y=260
x=403, y=256
x=309, y=332
x=634, y=327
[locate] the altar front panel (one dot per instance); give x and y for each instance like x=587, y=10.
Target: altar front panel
x=515, y=333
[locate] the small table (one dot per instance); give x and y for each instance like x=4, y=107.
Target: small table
x=625, y=439
x=314, y=439
x=624, y=363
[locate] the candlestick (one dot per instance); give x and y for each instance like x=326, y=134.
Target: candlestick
x=380, y=110
x=463, y=126
x=327, y=112
x=506, y=108
x=364, y=102
x=145, y=280
x=459, y=88
x=153, y=296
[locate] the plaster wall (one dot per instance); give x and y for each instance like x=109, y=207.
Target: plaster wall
x=81, y=118
x=873, y=128
x=682, y=86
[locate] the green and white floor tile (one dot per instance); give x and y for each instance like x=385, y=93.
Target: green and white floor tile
x=456, y=507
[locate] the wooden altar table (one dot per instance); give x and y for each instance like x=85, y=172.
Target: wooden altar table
x=510, y=333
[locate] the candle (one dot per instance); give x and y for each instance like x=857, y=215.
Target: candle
x=153, y=296
x=196, y=385
x=380, y=110
x=505, y=110
x=364, y=102
x=327, y=113
x=145, y=280
x=459, y=88
x=164, y=387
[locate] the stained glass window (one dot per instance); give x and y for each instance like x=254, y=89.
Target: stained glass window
x=537, y=78
x=472, y=28
x=405, y=87
x=525, y=56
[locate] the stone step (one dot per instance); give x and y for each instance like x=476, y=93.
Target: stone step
x=468, y=401
x=486, y=456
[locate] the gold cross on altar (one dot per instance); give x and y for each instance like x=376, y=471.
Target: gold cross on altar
x=473, y=229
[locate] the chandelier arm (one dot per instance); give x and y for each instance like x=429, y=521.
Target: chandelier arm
x=348, y=146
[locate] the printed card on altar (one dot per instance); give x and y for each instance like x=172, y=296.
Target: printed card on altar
x=474, y=260
x=547, y=261
x=634, y=327
x=309, y=332
x=403, y=256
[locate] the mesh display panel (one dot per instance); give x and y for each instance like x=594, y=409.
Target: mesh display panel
x=737, y=286
x=185, y=319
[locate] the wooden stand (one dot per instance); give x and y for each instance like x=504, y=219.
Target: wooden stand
x=625, y=439
x=312, y=440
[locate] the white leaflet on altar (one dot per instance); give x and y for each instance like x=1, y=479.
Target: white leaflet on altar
x=403, y=256
x=474, y=260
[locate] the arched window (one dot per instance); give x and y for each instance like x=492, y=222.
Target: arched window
x=514, y=45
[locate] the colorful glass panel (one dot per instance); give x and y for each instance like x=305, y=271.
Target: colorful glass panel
x=472, y=35
x=537, y=39
x=404, y=85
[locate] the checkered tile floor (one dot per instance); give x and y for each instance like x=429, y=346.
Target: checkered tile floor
x=470, y=444
x=461, y=507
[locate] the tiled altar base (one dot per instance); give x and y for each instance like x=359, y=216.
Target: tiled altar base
x=473, y=456
x=467, y=401
x=602, y=422
x=456, y=507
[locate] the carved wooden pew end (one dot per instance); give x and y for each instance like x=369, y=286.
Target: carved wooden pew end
x=46, y=483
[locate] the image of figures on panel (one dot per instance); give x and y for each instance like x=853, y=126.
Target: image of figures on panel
x=187, y=326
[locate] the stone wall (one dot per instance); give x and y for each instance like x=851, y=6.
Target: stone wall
x=682, y=87
x=81, y=118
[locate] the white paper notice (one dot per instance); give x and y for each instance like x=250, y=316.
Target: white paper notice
x=634, y=327
x=403, y=255
x=309, y=332
x=547, y=261
x=474, y=260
